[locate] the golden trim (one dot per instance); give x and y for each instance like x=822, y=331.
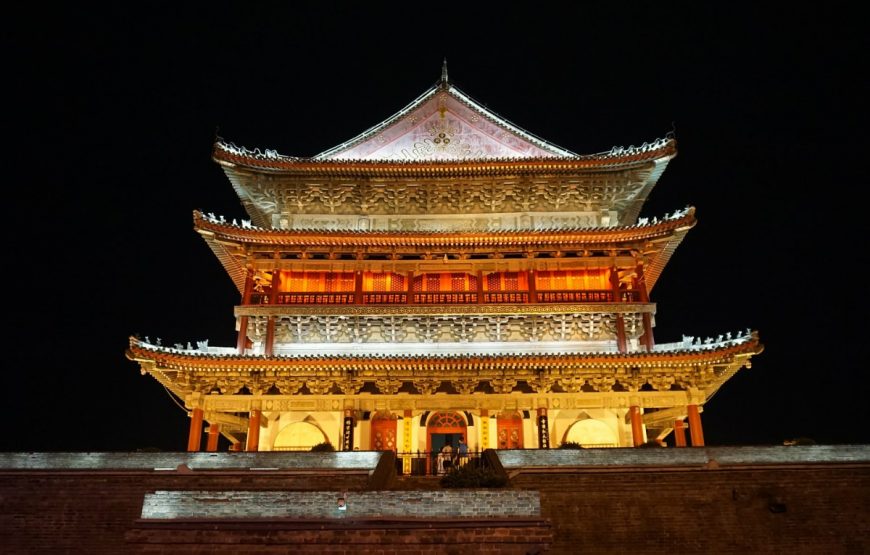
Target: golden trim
x=303, y=166
x=442, y=310
x=595, y=238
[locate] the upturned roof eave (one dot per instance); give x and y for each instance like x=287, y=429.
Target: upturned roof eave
x=168, y=357
x=233, y=158
x=602, y=235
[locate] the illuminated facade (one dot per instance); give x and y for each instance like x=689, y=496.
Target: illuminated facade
x=445, y=273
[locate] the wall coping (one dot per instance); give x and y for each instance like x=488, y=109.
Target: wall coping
x=515, y=459
x=368, y=460
x=274, y=461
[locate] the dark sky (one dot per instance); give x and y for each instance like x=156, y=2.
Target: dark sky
x=110, y=119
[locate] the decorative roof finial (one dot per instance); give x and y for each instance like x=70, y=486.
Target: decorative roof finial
x=444, y=72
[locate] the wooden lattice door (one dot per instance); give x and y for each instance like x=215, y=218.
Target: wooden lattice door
x=510, y=431
x=383, y=434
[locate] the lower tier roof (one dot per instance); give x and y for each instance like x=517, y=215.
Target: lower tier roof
x=723, y=351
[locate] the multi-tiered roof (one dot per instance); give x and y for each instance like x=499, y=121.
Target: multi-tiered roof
x=447, y=186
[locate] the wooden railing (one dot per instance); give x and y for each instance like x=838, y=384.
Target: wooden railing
x=385, y=298
x=427, y=463
x=444, y=298
x=314, y=298
x=459, y=297
x=511, y=297
x=588, y=296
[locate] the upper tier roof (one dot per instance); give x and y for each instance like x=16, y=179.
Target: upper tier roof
x=446, y=126
x=443, y=155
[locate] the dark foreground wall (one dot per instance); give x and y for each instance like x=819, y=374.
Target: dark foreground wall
x=735, y=500
x=778, y=510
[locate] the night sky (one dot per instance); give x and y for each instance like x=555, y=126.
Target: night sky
x=111, y=116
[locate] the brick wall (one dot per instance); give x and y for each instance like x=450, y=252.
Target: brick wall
x=381, y=537
x=800, y=509
x=714, y=500
x=89, y=512
x=450, y=503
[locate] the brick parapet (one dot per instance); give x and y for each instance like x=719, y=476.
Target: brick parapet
x=797, y=499
x=699, y=457
x=451, y=503
x=339, y=460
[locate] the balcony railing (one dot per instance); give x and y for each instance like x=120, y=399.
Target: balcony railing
x=427, y=463
x=444, y=298
x=458, y=297
x=385, y=298
x=587, y=296
x=315, y=298
x=501, y=297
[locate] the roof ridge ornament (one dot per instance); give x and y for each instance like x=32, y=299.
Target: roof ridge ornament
x=444, y=80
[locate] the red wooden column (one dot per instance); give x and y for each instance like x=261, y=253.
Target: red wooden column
x=480, y=287
x=242, y=341
x=358, y=288
x=214, y=432
x=621, y=341
x=270, y=325
x=410, y=279
x=636, y=425
x=533, y=289
x=679, y=433
x=254, y=431
x=194, y=439
x=647, y=338
x=695, y=430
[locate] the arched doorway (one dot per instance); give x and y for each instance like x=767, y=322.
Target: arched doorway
x=509, y=428
x=443, y=428
x=298, y=436
x=591, y=433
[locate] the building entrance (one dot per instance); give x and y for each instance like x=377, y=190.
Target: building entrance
x=442, y=429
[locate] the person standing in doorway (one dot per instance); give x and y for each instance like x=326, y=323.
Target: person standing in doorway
x=445, y=457
x=462, y=452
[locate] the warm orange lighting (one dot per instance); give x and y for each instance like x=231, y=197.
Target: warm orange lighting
x=316, y=282
x=445, y=282
x=573, y=280
x=506, y=281
x=383, y=281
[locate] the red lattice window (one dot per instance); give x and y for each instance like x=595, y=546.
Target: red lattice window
x=383, y=281
x=506, y=281
x=445, y=283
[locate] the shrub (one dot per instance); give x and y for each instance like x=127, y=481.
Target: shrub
x=324, y=447
x=570, y=445
x=473, y=475
x=651, y=443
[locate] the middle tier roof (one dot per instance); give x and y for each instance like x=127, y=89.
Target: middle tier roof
x=239, y=246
